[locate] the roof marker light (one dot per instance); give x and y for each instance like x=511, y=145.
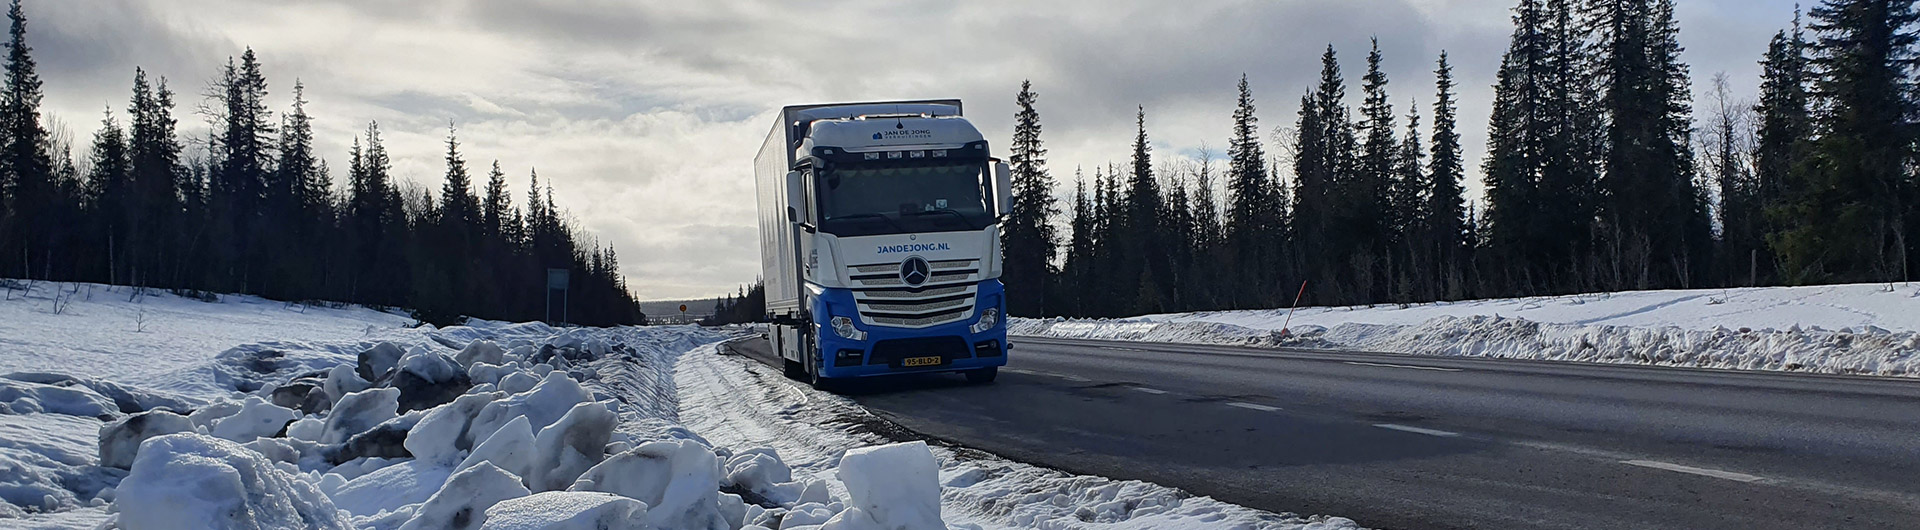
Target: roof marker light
x=893, y=155
x=940, y=153
x=917, y=154
x=873, y=155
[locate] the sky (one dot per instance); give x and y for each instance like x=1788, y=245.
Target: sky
x=645, y=115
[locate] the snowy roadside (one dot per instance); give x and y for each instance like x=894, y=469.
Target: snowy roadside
x=490, y=426
x=736, y=401
x=1868, y=329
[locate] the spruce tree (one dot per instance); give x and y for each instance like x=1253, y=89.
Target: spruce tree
x=1655, y=217
x=30, y=222
x=1368, y=197
x=1144, y=256
x=1331, y=242
x=1077, y=272
x=1850, y=201
x=1782, y=141
x=1248, y=227
x=1027, y=237
x=1446, y=228
x=109, y=200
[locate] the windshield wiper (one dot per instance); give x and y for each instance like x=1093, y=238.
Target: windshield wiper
x=963, y=217
x=871, y=215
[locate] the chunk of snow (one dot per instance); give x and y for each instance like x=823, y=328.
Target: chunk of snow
x=120, y=440
x=389, y=488
x=342, y=380
x=889, y=487
x=542, y=405
x=375, y=362
x=518, y=382
x=462, y=503
x=480, y=351
x=359, y=412
x=191, y=481
x=443, y=432
x=567, y=510
x=212, y=413
x=484, y=373
x=510, y=447
x=569, y=447
x=760, y=472
x=256, y=418
x=428, y=379
x=308, y=429
x=677, y=479
x=808, y=516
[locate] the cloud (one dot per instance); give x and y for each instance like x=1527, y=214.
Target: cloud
x=646, y=115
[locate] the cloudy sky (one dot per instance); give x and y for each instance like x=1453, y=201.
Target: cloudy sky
x=646, y=114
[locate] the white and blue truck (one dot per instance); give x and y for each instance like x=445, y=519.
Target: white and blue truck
x=880, y=241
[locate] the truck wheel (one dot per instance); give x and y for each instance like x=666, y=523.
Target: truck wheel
x=793, y=370
x=813, y=369
x=983, y=375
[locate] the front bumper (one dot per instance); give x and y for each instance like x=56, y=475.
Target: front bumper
x=886, y=349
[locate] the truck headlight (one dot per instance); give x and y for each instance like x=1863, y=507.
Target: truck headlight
x=843, y=327
x=988, y=317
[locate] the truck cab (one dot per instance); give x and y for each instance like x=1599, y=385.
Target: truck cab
x=880, y=240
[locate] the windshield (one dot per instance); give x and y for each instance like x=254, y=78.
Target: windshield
x=893, y=198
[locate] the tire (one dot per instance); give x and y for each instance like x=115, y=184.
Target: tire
x=983, y=376
x=813, y=369
x=793, y=370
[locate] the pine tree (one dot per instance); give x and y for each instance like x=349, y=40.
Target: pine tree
x=1027, y=238
x=109, y=201
x=1850, y=203
x=1784, y=131
x=1446, y=230
x=30, y=223
x=1249, y=228
x=1144, y=255
x=154, y=168
x=1328, y=237
x=496, y=206
x=1368, y=199
x=1406, y=197
x=1077, y=275
x=1655, y=217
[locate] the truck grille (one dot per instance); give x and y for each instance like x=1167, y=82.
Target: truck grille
x=947, y=296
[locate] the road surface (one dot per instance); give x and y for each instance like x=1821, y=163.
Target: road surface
x=1410, y=442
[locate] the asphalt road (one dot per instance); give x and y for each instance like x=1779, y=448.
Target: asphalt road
x=1423, y=442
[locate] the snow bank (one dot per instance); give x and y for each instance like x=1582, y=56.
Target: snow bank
x=120, y=441
x=191, y=481
x=1844, y=329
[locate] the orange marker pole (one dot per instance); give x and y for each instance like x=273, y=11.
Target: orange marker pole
x=1284, y=328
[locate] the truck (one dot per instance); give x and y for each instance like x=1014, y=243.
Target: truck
x=880, y=241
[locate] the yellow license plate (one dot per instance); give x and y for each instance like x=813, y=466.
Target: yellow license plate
x=920, y=361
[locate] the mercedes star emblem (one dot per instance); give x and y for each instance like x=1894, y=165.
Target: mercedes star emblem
x=914, y=271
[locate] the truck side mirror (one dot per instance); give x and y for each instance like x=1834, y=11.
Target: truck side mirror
x=796, y=197
x=1002, y=188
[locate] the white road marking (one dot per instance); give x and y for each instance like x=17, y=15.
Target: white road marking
x=1416, y=430
x=1074, y=378
x=1154, y=391
x=1409, y=367
x=1253, y=406
x=1715, y=473
x=1023, y=372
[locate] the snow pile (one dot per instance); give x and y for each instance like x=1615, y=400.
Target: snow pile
x=568, y=510
x=1843, y=329
x=890, y=487
x=195, y=482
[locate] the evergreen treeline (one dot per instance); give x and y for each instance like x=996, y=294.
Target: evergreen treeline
x=1597, y=178
x=749, y=305
x=257, y=211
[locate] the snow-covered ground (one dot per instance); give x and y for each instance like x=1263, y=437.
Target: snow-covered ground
x=247, y=413
x=1870, y=329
